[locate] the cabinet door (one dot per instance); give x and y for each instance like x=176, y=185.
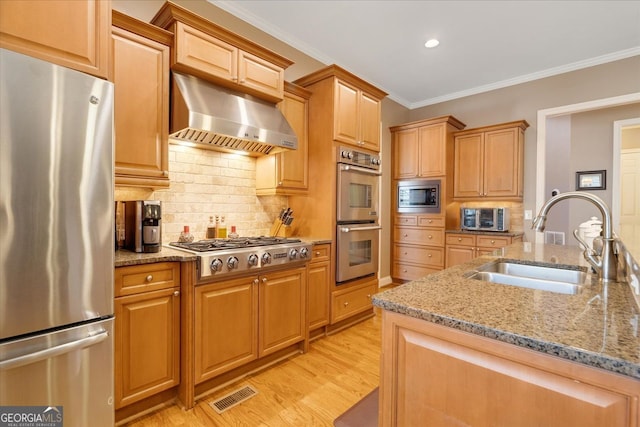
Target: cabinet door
x=259, y=75
x=501, y=163
x=282, y=310
x=147, y=344
x=405, y=150
x=467, y=176
x=346, y=106
x=431, y=154
x=70, y=33
x=319, y=276
x=141, y=109
x=197, y=50
x=226, y=326
x=459, y=255
x=369, y=122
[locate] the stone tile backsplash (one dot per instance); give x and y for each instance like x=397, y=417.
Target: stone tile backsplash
x=206, y=183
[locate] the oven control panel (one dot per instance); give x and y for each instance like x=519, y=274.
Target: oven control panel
x=358, y=158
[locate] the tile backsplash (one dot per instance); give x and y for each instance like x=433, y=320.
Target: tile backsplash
x=206, y=183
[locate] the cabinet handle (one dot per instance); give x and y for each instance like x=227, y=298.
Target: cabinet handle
x=149, y=278
x=346, y=303
x=279, y=183
x=255, y=281
x=176, y=293
x=264, y=280
x=369, y=296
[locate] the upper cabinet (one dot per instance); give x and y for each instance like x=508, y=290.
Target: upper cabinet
x=489, y=162
x=287, y=172
x=71, y=33
x=420, y=149
x=213, y=53
x=356, y=106
x=140, y=74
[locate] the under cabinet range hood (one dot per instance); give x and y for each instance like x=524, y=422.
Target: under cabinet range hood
x=217, y=118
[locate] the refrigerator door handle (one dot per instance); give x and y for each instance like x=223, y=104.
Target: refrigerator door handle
x=48, y=353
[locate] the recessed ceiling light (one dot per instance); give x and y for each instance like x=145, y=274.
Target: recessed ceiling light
x=432, y=43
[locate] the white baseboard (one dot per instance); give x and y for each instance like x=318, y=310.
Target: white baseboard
x=384, y=281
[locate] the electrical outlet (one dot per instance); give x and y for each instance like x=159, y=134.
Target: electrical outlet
x=528, y=214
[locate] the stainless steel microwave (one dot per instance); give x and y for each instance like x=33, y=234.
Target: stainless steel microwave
x=418, y=196
x=485, y=219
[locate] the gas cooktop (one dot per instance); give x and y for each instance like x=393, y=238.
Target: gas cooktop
x=222, y=257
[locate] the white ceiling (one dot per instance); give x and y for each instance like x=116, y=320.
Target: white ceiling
x=484, y=45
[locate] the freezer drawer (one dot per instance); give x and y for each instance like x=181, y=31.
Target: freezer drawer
x=72, y=368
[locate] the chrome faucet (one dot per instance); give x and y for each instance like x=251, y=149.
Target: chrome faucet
x=605, y=263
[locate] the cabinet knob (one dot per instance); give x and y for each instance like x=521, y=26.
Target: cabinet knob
x=176, y=293
x=149, y=278
x=429, y=255
x=369, y=296
x=279, y=183
x=264, y=280
x=459, y=239
x=493, y=241
x=256, y=281
x=430, y=221
x=429, y=236
x=405, y=253
x=234, y=78
x=317, y=253
x=346, y=303
x=405, y=235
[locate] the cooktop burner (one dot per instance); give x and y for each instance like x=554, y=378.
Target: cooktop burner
x=221, y=257
x=237, y=243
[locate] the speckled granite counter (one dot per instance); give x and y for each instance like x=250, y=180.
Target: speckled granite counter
x=599, y=326
x=488, y=233
x=124, y=257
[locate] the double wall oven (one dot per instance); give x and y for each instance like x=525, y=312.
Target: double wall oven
x=357, y=228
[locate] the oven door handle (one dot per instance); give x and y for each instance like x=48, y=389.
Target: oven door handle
x=344, y=167
x=350, y=229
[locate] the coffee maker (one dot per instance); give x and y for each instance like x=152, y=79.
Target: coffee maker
x=143, y=228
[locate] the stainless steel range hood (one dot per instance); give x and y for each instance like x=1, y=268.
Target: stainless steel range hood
x=216, y=118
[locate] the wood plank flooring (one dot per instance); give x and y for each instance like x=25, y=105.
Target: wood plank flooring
x=311, y=389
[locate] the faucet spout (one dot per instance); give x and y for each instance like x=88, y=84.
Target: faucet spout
x=606, y=264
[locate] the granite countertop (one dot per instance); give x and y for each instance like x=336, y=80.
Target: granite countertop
x=598, y=326
x=124, y=257
x=487, y=233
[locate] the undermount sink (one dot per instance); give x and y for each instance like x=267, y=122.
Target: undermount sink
x=531, y=276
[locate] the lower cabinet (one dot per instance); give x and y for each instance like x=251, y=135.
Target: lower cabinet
x=319, y=277
x=147, y=331
x=353, y=299
x=449, y=377
x=243, y=319
x=464, y=247
x=418, y=246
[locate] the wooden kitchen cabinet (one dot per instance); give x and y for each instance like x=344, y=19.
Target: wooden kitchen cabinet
x=287, y=172
x=240, y=320
x=140, y=73
x=424, y=149
x=319, y=278
x=418, y=246
x=489, y=162
x=432, y=372
x=71, y=33
x=353, y=106
x=352, y=300
x=147, y=331
x=463, y=247
x=213, y=53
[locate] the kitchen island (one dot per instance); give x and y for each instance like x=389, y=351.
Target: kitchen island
x=459, y=351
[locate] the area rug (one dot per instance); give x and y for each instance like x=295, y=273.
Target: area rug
x=362, y=414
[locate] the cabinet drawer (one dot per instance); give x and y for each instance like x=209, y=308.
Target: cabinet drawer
x=148, y=277
x=321, y=253
x=430, y=221
x=422, y=236
x=346, y=303
x=424, y=255
x=492, y=242
x=411, y=272
x=461, y=239
x=410, y=220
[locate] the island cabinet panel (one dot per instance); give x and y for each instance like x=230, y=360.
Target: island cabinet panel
x=141, y=110
x=71, y=33
x=147, y=331
x=437, y=376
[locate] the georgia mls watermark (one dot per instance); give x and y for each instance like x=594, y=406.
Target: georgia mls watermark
x=31, y=416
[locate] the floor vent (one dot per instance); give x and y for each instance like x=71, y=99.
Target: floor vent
x=233, y=399
x=554, y=237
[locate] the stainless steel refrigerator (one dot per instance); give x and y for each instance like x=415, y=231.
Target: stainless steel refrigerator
x=56, y=242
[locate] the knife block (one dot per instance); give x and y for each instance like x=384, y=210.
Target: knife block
x=280, y=230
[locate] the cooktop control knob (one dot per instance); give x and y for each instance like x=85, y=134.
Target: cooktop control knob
x=304, y=253
x=293, y=254
x=216, y=265
x=253, y=260
x=266, y=258
x=232, y=263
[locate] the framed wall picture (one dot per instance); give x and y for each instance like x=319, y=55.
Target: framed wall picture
x=591, y=180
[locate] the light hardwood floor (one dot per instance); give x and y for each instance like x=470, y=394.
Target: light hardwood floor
x=311, y=389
